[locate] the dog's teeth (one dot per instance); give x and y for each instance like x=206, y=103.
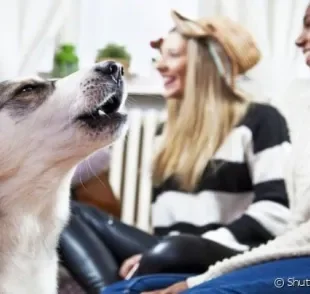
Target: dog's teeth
x=101, y=112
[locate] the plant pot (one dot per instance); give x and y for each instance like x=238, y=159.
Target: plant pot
x=64, y=69
x=124, y=62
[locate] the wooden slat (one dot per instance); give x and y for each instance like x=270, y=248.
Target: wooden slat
x=145, y=184
x=116, y=167
x=131, y=167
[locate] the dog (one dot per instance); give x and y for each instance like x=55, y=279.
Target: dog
x=46, y=128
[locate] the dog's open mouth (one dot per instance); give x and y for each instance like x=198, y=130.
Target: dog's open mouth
x=103, y=113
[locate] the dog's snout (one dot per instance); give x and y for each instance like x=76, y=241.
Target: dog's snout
x=111, y=68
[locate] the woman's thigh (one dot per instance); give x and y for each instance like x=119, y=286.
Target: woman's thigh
x=121, y=239
x=86, y=257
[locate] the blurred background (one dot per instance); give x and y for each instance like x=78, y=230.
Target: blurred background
x=55, y=37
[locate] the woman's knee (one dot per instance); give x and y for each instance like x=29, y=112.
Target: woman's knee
x=177, y=254
x=182, y=254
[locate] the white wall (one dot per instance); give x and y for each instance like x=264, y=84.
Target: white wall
x=274, y=23
x=133, y=23
x=30, y=29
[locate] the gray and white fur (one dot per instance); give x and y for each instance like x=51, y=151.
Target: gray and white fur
x=46, y=129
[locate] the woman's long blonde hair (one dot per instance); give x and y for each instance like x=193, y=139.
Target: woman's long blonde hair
x=198, y=123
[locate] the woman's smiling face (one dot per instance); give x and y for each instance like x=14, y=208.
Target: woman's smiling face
x=172, y=65
x=303, y=41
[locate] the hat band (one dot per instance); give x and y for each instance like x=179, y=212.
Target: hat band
x=220, y=66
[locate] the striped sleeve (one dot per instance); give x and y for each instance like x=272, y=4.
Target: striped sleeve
x=266, y=155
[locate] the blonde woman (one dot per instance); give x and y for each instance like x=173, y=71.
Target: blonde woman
x=280, y=266
x=218, y=175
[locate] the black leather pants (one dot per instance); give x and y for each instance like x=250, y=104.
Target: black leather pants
x=94, y=245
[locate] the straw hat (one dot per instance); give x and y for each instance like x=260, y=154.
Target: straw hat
x=237, y=42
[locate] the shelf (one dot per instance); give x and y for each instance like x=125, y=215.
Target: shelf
x=142, y=86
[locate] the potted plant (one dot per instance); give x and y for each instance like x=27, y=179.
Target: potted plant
x=66, y=61
x=116, y=53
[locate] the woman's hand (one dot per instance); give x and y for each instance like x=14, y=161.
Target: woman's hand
x=129, y=264
x=174, y=289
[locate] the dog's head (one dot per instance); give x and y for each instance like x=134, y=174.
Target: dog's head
x=61, y=122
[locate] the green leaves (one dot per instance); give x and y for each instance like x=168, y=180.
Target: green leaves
x=66, y=61
x=66, y=55
x=113, y=50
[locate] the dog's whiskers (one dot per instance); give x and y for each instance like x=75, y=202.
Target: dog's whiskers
x=95, y=175
x=81, y=182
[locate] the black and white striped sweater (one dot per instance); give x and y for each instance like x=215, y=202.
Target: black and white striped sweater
x=241, y=200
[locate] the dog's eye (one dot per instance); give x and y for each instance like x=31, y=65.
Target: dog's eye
x=27, y=88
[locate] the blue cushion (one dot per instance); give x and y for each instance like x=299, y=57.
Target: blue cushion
x=287, y=276
x=144, y=283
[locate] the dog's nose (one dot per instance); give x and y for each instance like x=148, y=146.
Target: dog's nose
x=111, y=68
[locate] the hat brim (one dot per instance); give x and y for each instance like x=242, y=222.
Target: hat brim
x=184, y=26
x=187, y=26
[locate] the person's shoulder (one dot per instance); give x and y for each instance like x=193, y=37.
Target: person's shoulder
x=267, y=125
x=263, y=114
x=264, y=110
